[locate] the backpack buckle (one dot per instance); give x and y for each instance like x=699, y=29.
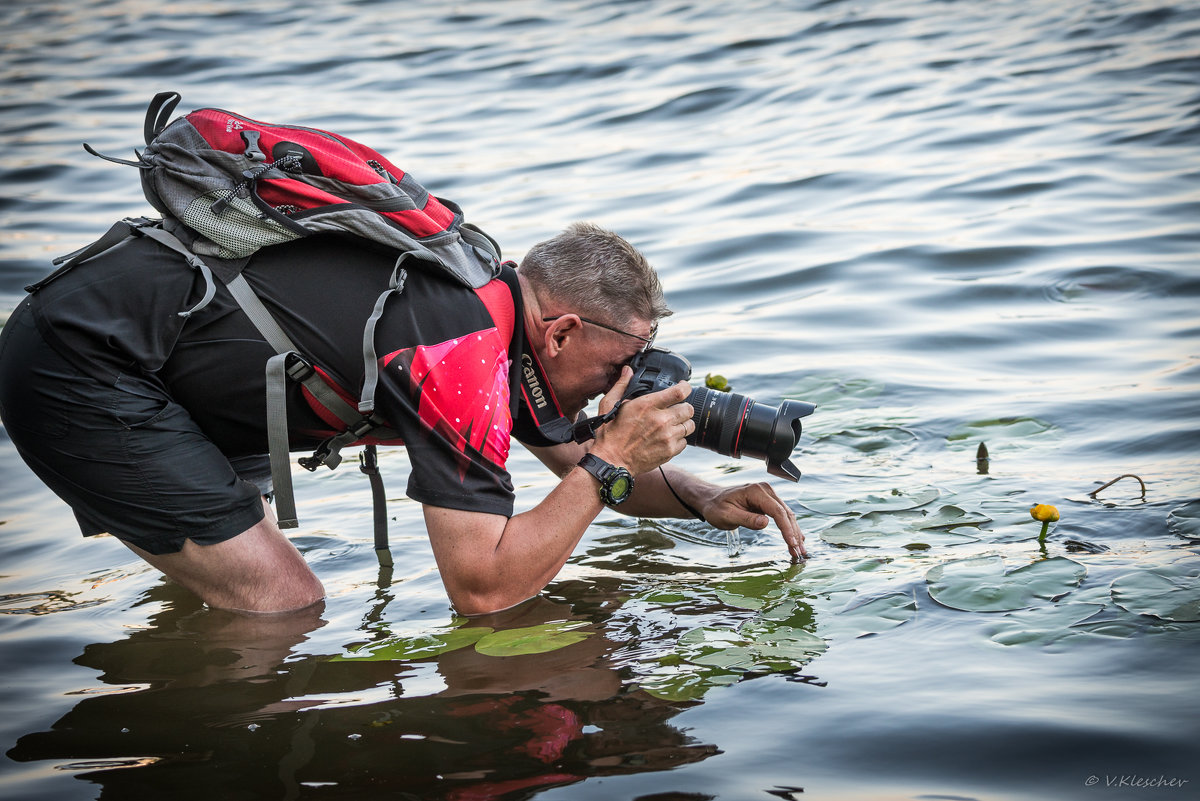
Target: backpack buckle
x=368, y=461
x=321, y=456
x=298, y=369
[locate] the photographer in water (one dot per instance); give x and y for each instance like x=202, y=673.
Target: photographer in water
x=151, y=424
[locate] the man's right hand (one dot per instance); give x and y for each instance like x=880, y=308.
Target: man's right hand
x=648, y=431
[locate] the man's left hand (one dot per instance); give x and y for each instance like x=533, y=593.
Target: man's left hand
x=754, y=506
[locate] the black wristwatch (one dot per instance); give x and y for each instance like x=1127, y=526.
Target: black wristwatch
x=616, y=483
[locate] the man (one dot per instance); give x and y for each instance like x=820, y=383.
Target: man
x=152, y=427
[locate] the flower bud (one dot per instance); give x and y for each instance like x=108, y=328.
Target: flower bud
x=1044, y=512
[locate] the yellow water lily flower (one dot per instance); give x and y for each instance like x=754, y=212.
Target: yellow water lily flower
x=1044, y=513
x=1047, y=514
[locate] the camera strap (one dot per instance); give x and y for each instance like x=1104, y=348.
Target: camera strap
x=539, y=399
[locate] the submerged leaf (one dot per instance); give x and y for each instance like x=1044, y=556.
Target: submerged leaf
x=754, y=592
x=531, y=639
x=1043, y=625
x=710, y=656
x=801, y=643
x=672, y=684
x=1170, y=592
x=1184, y=521
x=870, y=439
x=422, y=646
x=892, y=530
x=1001, y=429
x=869, y=617
x=981, y=584
x=893, y=500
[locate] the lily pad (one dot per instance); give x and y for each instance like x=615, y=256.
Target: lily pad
x=869, y=617
x=831, y=392
x=870, y=439
x=981, y=584
x=755, y=592
x=829, y=580
x=1184, y=521
x=1000, y=429
x=672, y=684
x=779, y=641
x=1170, y=592
x=899, y=529
x=712, y=656
x=949, y=516
x=892, y=500
x=1042, y=625
x=757, y=642
x=531, y=639
x=422, y=646
x=794, y=612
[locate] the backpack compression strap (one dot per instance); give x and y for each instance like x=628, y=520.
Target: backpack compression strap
x=287, y=363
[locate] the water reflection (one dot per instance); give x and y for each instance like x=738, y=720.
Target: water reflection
x=199, y=688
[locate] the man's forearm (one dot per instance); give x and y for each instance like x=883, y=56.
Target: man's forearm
x=654, y=494
x=490, y=562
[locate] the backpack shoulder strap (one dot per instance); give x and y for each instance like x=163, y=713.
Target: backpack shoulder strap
x=118, y=233
x=126, y=229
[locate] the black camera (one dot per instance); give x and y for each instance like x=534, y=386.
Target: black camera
x=726, y=422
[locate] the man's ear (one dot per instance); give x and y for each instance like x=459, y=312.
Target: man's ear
x=561, y=331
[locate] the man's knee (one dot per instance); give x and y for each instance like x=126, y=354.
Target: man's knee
x=259, y=570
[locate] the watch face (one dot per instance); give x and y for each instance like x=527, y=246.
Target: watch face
x=617, y=486
x=616, y=483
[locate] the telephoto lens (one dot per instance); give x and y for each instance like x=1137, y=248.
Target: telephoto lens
x=734, y=425
x=726, y=422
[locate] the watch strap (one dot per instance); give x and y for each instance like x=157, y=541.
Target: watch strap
x=611, y=478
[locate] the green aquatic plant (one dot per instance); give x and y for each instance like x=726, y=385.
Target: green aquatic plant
x=1184, y=521
x=872, y=616
x=712, y=656
x=888, y=500
x=981, y=583
x=532, y=639
x=1001, y=429
x=1043, y=625
x=780, y=629
x=1169, y=592
x=487, y=641
x=419, y=646
x=914, y=529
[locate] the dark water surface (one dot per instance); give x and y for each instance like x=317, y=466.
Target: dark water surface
x=945, y=223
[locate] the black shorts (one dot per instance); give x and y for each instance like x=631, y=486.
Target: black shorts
x=128, y=459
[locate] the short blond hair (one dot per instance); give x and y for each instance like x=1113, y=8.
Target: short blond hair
x=595, y=272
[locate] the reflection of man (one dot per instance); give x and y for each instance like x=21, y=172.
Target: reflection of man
x=242, y=699
x=152, y=427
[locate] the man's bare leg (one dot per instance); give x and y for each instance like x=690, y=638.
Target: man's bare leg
x=259, y=570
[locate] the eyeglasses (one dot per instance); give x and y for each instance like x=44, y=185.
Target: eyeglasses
x=649, y=342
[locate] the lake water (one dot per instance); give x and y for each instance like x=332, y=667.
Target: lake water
x=945, y=223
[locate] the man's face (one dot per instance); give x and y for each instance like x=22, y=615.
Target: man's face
x=591, y=359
